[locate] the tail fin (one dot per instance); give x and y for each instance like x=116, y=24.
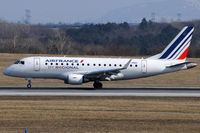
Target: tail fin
x=178, y=47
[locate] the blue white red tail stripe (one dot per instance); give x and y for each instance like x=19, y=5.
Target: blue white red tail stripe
x=183, y=49
x=185, y=42
x=178, y=45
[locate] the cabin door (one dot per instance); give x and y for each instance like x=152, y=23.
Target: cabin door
x=36, y=64
x=144, y=66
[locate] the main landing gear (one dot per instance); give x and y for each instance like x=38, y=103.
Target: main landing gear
x=97, y=85
x=29, y=82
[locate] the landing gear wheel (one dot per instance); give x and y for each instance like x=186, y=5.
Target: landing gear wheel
x=28, y=85
x=97, y=85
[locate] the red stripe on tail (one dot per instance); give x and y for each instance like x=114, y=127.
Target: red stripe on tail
x=184, y=54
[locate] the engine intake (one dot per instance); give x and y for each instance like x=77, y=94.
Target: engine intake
x=75, y=79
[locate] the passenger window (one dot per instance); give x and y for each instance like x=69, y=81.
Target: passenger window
x=67, y=64
x=72, y=64
x=99, y=64
x=46, y=63
x=115, y=65
x=83, y=64
x=104, y=64
x=77, y=64
x=56, y=63
x=61, y=63
x=88, y=64
x=131, y=65
x=94, y=64
x=51, y=63
x=109, y=64
x=120, y=65
x=135, y=65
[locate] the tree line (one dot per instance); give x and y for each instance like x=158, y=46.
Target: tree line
x=146, y=38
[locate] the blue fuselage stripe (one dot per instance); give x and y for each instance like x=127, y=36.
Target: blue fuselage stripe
x=181, y=45
x=176, y=43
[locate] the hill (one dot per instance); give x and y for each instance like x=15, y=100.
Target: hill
x=122, y=39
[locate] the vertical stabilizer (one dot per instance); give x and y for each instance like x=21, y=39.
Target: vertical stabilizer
x=178, y=47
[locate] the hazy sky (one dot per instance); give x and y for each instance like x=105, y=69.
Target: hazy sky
x=70, y=11
x=67, y=11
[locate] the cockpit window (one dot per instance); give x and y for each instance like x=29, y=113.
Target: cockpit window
x=19, y=62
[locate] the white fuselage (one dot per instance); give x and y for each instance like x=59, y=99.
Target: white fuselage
x=62, y=67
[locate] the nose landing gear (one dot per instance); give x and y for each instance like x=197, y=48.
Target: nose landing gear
x=29, y=82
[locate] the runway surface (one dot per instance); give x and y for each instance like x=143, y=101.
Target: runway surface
x=62, y=91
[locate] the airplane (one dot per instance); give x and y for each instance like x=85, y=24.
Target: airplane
x=78, y=70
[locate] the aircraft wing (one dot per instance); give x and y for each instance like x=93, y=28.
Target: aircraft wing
x=102, y=74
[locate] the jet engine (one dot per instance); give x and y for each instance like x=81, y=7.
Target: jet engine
x=75, y=79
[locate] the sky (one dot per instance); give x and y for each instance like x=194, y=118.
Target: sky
x=71, y=11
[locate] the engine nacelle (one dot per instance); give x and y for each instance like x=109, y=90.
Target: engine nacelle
x=75, y=79
x=117, y=76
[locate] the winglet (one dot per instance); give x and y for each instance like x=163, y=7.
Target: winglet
x=127, y=64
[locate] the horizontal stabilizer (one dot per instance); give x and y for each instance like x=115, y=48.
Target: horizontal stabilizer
x=188, y=65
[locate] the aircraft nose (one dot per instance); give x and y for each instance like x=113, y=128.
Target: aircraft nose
x=6, y=71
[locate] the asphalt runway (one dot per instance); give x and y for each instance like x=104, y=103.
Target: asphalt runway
x=75, y=91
